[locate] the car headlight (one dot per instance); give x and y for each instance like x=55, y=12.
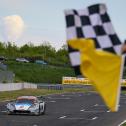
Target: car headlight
x=10, y=106
x=34, y=107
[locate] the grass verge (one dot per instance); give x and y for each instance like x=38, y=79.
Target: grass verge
x=36, y=73
x=124, y=124
x=8, y=95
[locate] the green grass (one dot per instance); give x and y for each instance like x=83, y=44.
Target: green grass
x=123, y=124
x=36, y=73
x=123, y=91
x=8, y=95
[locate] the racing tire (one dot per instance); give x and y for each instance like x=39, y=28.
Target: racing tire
x=38, y=113
x=43, y=113
x=9, y=113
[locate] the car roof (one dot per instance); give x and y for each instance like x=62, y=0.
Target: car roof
x=27, y=97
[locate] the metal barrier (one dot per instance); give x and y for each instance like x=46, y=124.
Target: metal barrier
x=61, y=87
x=19, y=86
x=50, y=86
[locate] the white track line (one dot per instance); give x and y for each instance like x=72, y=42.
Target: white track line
x=78, y=95
x=76, y=118
x=69, y=96
x=3, y=111
x=50, y=101
x=122, y=123
x=62, y=117
x=59, y=98
x=49, y=97
x=82, y=110
x=94, y=118
x=99, y=105
x=94, y=111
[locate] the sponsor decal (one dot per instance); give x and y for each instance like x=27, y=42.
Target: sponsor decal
x=75, y=80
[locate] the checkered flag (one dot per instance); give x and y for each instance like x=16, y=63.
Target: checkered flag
x=94, y=23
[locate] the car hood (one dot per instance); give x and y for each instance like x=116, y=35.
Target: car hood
x=22, y=106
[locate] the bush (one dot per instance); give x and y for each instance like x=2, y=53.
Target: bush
x=37, y=73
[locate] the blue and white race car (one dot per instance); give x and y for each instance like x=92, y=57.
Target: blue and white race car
x=27, y=104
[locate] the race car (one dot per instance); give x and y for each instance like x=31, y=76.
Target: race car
x=27, y=105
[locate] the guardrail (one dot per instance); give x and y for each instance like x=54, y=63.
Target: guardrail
x=60, y=86
x=50, y=86
x=19, y=86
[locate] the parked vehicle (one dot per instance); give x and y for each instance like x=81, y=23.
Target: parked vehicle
x=2, y=58
x=40, y=62
x=28, y=105
x=22, y=60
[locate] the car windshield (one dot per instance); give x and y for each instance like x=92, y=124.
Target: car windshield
x=30, y=101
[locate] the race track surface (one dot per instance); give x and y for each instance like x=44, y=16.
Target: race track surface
x=69, y=109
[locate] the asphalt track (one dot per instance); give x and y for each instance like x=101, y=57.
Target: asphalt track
x=70, y=109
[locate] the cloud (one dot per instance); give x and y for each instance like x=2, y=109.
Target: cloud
x=13, y=27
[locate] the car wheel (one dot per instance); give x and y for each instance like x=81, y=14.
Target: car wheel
x=9, y=113
x=37, y=113
x=44, y=110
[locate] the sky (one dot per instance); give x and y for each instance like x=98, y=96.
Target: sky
x=39, y=21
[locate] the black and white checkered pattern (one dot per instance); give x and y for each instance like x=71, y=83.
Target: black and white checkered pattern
x=92, y=22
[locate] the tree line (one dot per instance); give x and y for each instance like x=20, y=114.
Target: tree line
x=42, y=52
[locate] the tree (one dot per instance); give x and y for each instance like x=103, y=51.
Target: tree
x=62, y=54
x=2, y=48
x=11, y=49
